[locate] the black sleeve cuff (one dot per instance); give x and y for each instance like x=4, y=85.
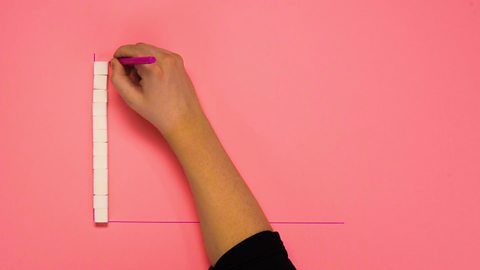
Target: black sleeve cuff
x=264, y=250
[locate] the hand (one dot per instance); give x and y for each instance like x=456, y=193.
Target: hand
x=161, y=92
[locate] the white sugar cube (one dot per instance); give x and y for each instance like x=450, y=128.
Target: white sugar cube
x=100, y=174
x=99, y=108
x=100, y=162
x=100, y=186
x=100, y=122
x=101, y=215
x=100, y=67
x=100, y=149
x=99, y=135
x=100, y=82
x=99, y=95
x=100, y=201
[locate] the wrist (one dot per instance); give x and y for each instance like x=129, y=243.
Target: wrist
x=185, y=130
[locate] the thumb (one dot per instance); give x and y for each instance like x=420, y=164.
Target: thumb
x=131, y=93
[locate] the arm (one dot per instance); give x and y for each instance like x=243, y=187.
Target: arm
x=163, y=94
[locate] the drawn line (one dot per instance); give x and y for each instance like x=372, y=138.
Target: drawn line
x=196, y=222
x=148, y=221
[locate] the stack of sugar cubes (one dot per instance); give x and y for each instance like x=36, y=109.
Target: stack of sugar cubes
x=100, y=142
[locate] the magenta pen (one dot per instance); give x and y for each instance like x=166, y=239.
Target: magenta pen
x=137, y=60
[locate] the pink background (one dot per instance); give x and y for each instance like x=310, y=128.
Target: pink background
x=359, y=111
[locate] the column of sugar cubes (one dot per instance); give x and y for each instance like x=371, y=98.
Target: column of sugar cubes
x=100, y=142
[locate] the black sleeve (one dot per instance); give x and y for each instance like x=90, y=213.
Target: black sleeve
x=263, y=250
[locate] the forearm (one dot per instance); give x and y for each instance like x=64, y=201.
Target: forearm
x=227, y=209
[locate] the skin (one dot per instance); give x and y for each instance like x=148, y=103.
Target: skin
x=163, y=94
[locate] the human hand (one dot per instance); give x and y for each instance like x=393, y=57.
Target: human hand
x=161, y=92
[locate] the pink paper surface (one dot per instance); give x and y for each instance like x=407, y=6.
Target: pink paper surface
x=365, y=112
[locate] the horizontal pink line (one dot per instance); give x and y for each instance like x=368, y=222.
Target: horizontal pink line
x=196, y=222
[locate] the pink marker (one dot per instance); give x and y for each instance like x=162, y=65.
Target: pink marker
x=137, y=60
